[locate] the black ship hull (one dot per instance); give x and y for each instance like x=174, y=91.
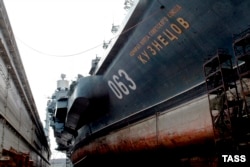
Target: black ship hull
x=154, y=91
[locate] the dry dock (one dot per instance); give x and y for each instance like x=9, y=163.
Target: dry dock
x=22, y=139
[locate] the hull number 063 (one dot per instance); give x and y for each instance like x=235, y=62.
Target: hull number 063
x=121, y=84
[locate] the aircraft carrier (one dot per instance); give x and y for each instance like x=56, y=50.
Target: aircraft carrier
x=23, y=142
x=173, y=89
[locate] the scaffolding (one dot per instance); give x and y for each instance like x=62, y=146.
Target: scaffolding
x=241, y=47
x=220, y=77
x=228, y=90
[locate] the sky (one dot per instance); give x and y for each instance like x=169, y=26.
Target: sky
x=57, y=37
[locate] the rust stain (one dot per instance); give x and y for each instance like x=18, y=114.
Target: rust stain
x=13, y=158
x=105, y=145
x=162, y=131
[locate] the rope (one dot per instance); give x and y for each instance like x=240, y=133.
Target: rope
x=94, y=47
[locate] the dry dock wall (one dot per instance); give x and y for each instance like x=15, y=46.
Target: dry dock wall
x=22, y=137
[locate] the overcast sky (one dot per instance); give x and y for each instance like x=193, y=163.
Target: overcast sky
x=60, y=36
